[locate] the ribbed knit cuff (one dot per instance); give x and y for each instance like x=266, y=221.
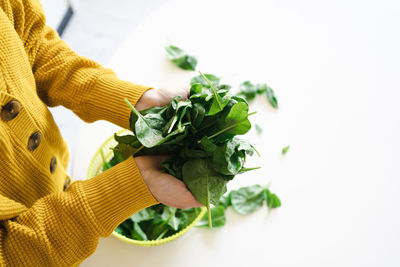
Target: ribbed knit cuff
x=117, y=193
x=106, y=99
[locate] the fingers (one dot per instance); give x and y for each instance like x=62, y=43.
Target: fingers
x=170, y=191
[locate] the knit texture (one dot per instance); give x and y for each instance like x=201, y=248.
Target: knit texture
x=41, y=224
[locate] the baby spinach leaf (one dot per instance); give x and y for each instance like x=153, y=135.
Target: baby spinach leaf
x=210, y=77
x=169, y=214
x=125, y=139
x=125, y=228
x=217, y=97
x=207, y=145
x=147, y=127
x=225, y=201
x=137, y=232
x=237, y=120
x=134, y=117
x=273, y=200
x=196, y=88
x=207, y=185
x=259, y=130
x=197, y=115
x=218, y=105
x=143, y=215
x=269, y=93
x=187, y=216
x=217, y=215
x=125, y=150
x=226, y=160
x=285, y=150
x=248, y=90
x=181, y=58
x=247, y=199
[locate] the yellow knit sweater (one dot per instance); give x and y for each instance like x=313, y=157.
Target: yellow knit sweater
x=43, y=222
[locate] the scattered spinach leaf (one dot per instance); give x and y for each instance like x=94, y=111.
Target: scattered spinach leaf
x=247, y=199
x=259, y=130
x=285, y=149
x=249, y=91
x=273, y=200
x=181, y=58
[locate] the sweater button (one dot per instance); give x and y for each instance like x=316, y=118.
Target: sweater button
x=10, y=110
x=34, y=141
x=67, y=183
x=53, y=164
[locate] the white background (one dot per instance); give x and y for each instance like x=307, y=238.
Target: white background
x=334, y=66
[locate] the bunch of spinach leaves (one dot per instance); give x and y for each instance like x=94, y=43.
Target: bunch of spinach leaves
x=199, y=133
x=245, y=200
x=157, y=222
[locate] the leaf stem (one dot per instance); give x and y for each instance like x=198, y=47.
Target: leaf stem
x=229, y=127
x=253, y=147
x=249, y=169
x=133, y=108
x=216, y=95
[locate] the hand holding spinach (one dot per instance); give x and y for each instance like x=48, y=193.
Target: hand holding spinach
x=171, y=191
x=199, y=133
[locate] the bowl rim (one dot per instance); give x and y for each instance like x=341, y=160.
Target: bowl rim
x=146, y=243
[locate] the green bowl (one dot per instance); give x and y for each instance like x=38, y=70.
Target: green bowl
x=95, y=168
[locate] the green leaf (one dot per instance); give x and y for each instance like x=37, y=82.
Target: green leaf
x=272, y=200
x=137, y=232
x=225, y=201
x=187, y=216
x=217, y=97
x=181, y=58
x=285, y=149
x=226, y=160
x=237, y=119
x=247, y=199
x=169, y=214
x=235, y=123
x=196, y=88
x=248, y=90
x=259, y=130
x=206, y=184
x=218, y=105
x=143, y=215
x=210, y=77
x=125, y=228
x=197, y=114
x=125, y=150
x=218, y=218
x=147, y=128
x=269, y=93
x=207, y=145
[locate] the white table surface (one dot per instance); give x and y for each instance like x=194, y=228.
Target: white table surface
x=334, y=66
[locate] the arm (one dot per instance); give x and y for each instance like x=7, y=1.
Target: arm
x=62, y=229
x=65, y=78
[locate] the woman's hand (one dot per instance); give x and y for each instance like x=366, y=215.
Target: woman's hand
x=160, y=97
x=165, y=188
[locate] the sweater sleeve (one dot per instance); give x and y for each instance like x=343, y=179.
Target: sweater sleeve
x=65, y=78
x=62, y=229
